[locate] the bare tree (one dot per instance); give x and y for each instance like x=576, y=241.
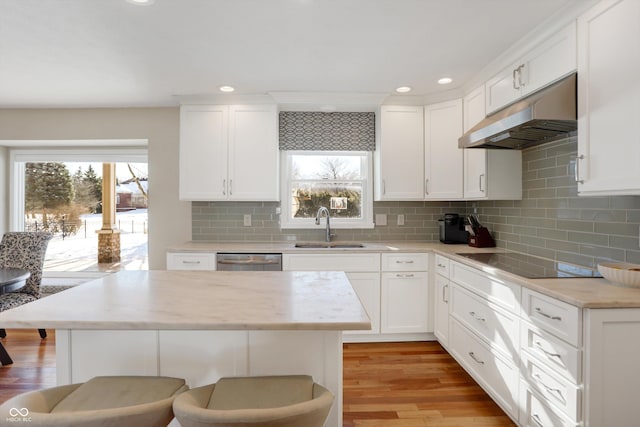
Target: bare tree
x=337, y=168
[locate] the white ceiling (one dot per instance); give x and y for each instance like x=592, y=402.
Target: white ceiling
x=107, y=53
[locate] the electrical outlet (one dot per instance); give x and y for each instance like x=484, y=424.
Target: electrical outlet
x=401, y=219
x=247, y=220
x=381, y=219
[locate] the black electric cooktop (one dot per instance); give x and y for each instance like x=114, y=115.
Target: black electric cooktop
x=531, y=267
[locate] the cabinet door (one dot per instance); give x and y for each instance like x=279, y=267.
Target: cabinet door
x=503, y=89
x=400, y=157
x=367, y=287
x=552, y=60
x=475, y=160
x=203, y=152
x=441, y=325
x=443, y=159
x=253, y=152
x=609, y=99
x=404, y=302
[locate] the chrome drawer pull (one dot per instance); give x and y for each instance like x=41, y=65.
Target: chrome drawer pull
x=548, y=353
x=553, y=391
x=441, y=265
x=473, y=356
x=478, y=318
x=404, y=262
x=548, y=316
x=191, y=262
x=536, y=418
x=404, y=275
x=444, y=293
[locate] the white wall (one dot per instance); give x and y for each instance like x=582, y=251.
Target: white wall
x=169, y=219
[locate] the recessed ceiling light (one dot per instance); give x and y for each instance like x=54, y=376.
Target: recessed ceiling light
x=445, y=81
x=141, y=2
x=226, y=88
x=403, y=89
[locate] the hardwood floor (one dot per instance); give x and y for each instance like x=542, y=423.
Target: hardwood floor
x=34, y=362
x=411, y=384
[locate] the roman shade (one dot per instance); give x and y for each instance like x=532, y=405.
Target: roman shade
x=317, y=131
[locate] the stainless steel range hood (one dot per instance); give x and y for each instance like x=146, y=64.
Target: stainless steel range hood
x=544, y=116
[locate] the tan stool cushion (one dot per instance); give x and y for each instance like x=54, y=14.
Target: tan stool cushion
x=261, y=392
x=101, y=402
x=255, y=402
x=118, y=392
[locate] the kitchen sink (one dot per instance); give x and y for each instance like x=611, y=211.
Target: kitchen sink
x=328, y=245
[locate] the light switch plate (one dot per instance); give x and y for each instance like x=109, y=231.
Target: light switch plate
x=381, y=219
x=400, y=219
x=247, y=220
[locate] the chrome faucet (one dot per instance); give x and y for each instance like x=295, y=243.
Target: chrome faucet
x=324, y=210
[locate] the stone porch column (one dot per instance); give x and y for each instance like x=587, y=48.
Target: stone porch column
x=108, y=235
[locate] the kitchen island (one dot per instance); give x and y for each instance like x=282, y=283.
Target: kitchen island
x=201, y=325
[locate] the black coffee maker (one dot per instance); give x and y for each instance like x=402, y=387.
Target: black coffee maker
x=452, y=229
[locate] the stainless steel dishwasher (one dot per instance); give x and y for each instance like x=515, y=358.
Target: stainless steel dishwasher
x=248, y=262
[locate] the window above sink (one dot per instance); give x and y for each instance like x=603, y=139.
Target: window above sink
x=337, y=180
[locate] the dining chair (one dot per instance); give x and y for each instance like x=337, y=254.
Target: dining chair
x=24, y=250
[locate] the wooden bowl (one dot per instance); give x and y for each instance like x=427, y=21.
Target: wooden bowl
x=621, y=273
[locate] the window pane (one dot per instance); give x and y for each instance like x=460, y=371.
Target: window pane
x=343, y=199
x=326, y=167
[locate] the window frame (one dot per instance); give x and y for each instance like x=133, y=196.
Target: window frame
x=286, y=222
x=19, y=157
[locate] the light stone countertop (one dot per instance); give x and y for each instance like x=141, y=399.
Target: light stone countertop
x=585, y=293
x=199, y=300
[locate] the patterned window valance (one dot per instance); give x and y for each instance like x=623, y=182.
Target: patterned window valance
x=339, y=131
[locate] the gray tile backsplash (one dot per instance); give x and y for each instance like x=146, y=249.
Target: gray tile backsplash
x=550, y=221
x=223, y=221
x=553, y=222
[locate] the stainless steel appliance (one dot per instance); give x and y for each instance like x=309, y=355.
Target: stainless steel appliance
x=544, y=116
x=248, y=262
x=531, y=267
x=452, y=229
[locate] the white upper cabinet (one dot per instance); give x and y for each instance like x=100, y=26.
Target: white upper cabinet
x=203, y=152
x=400, y=154
x=228, y=152
x=548, y=62
x=443, y=159
x=609, y=99
x=488, y=174
x=253, y=152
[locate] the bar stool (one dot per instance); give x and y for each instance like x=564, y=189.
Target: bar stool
x=282, y=401
x=101, y=401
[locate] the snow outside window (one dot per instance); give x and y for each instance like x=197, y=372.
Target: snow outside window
x=337, y=180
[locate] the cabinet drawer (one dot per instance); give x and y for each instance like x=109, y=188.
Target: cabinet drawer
x=563, y=358
x=442, y=266
x=497, y=326
x=498, y=376
x=405, y=262
x=191, y=261
x=321, y=262
x=536, y=412
x=563, y=394
x=497, y=291
x=549, y=314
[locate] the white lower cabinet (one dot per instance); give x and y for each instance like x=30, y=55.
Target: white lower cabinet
x=367, y=287
x=393, y=288
x=191, y=261
x=403, y=298
x=441, y=308
x=544, y=361
x=495, y=373
x=536, y=412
